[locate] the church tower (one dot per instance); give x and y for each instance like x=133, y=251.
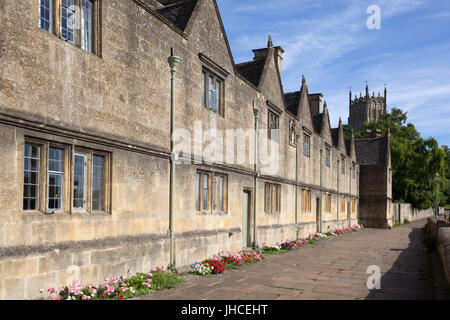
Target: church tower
x=366, y=108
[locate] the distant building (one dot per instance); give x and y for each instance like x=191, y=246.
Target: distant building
x=366, y=109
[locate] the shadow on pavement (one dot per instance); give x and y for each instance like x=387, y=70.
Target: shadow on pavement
x=410, y=277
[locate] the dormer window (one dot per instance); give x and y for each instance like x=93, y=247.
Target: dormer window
x=273, y=126
x=328, y=157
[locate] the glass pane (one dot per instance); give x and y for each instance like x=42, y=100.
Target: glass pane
x=214, y=195
x=203, y=89
x=55, y=191
x=67, y=20
x=86, y=25
x=79, y=181
x=97, y=183
x=205, y=192
x=55, y=163
x=197, y=192
x=30, y=177
x=221, y=194
x=211, y=92
x=45, y=14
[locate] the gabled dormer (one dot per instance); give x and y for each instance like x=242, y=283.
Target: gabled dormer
x=338, y=137
x=264, y=72
x=325, y=130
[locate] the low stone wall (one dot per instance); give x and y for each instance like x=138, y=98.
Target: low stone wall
x=402, y=211
x=26, y=269
x=442, y=236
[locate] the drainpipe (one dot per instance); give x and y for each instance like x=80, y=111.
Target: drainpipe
x=297, y=138
x=256, y=112
x=173, y=63
x=321, y=190
x=338, y=194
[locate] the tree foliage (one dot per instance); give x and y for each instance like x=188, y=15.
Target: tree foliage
x=415, y=161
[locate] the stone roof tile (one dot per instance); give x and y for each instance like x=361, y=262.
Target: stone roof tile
x=372, y=151
x=178, y=13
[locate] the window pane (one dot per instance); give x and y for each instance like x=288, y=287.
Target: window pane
x=205, y=192
x=214, y=195
x=197, y=192
x=97, y=183
x=55, y=191
x=79, y=181
x=30, y=177
x=45, y=15
x=203, y=89
x=211, y=92
x=86, y=25
x=221, y=194
x=67, y=20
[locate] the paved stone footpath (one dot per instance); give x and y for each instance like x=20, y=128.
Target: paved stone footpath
x=332, y=269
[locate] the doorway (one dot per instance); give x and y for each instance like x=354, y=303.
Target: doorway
x=246, y=234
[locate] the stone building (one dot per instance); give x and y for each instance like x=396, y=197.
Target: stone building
x=85, y=143
x=373, y=154
x=366, y=109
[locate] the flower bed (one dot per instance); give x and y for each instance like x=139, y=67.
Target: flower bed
x=118, y=288
x=225, y=261
x=288, y=245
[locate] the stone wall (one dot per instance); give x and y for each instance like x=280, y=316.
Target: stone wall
x=402, y=211
x=118, y=103
x=442, y=239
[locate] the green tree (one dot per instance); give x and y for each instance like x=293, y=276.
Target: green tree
x=415, y=161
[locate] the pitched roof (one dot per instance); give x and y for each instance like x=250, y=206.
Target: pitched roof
x=252, y=70
x=292, y=100
x=372, y=151
x=178, y=13
x=317, y=122
x=335, y=136
x=348, y=146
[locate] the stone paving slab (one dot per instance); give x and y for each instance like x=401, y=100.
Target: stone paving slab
x=334, y=269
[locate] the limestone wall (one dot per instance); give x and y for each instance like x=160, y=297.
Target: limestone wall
x=402, y=211
x=442, y=238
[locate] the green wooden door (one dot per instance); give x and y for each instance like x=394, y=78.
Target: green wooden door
x=245, y=206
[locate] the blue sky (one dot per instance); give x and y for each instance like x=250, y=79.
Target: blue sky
x=329, y=42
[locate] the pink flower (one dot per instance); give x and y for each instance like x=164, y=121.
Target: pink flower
x=51, y=290
x=106, y=278
x=85, y=297
x=55, y=299
x=41, y=290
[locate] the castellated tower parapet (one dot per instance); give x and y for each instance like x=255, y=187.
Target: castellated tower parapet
x=366, y=109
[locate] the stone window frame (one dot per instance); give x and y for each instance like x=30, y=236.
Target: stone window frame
x=327, y=203
x=353, y=169
x=273, y=121
x=69, y=152
x=342, y=205
x=307, y=201
x=56, y=24
x=328, y=157
x=211, y=191
x=353, y=205
x=272, y=198
x=306, y=145
x=343, y=171
x=206, y=74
